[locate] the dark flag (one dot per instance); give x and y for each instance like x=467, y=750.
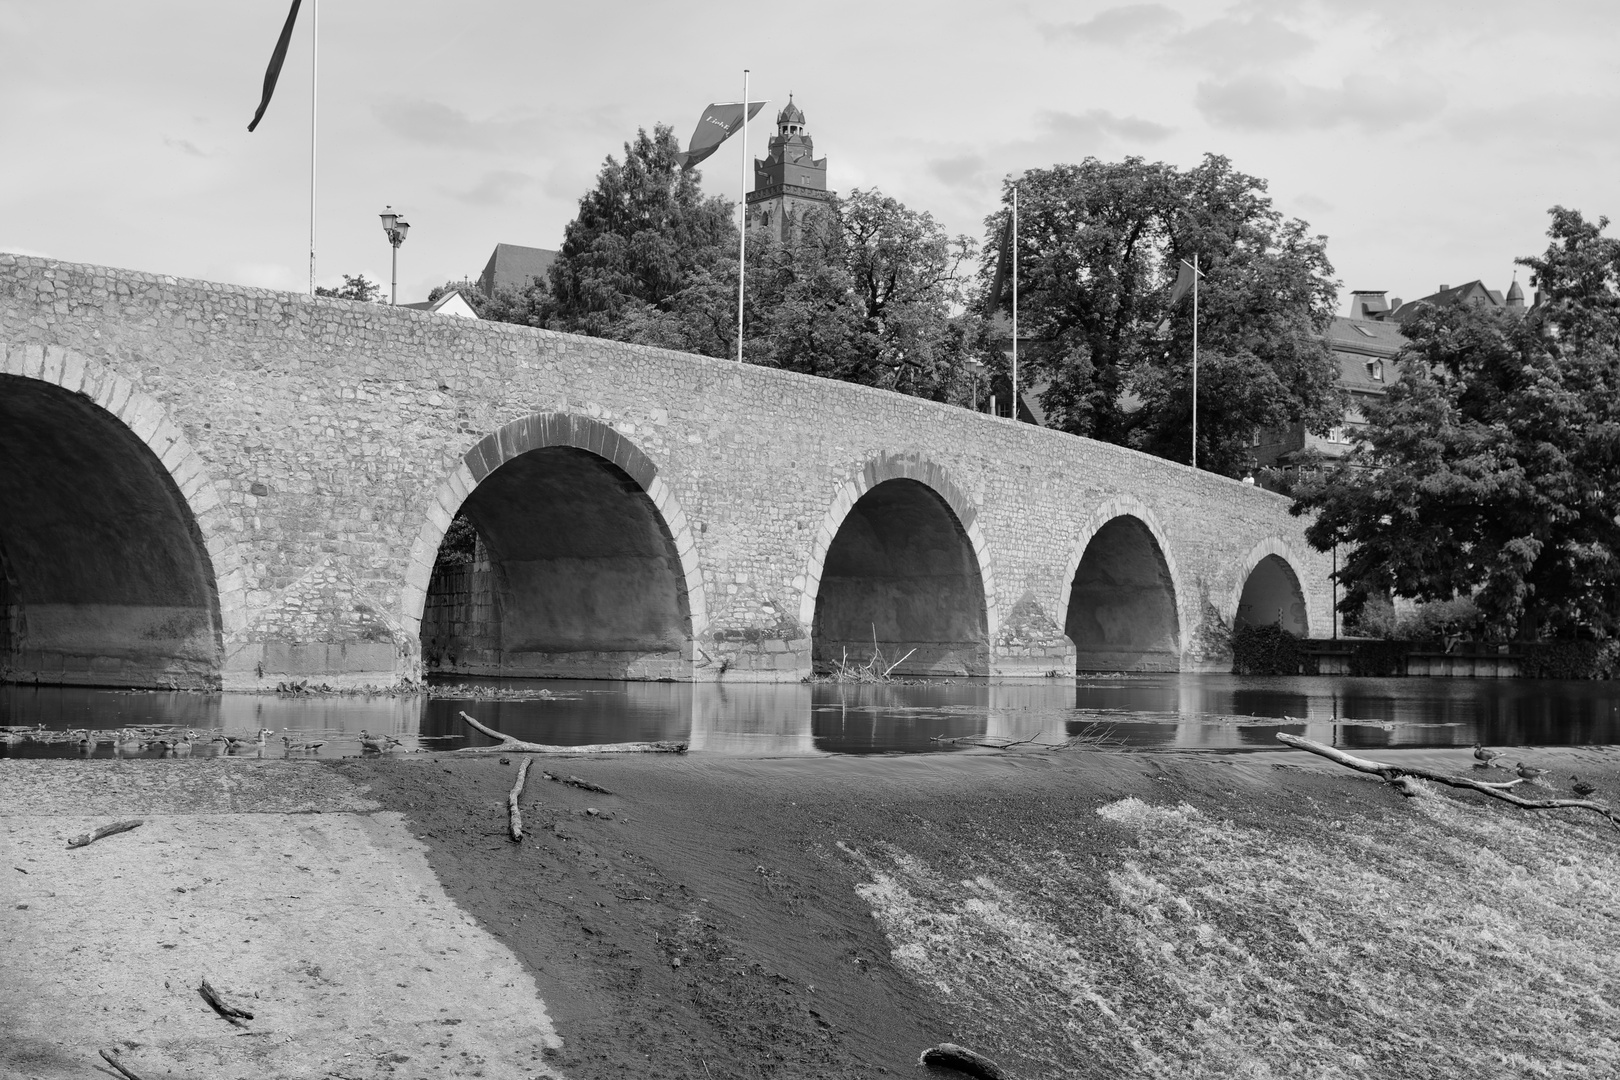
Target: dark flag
x=1003, y=266
x=273, y=72
x=718, y=123
x=1184, y=281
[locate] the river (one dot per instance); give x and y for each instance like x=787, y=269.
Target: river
x=1209, y=712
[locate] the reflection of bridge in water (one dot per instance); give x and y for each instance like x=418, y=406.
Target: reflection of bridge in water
x=1192, y=712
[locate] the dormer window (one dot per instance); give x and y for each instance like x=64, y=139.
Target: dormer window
x=1375, y=370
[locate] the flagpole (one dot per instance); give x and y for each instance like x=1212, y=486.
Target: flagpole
x=1015, y=302
x=742, y=231
x=1196, y=276
x=314, y=68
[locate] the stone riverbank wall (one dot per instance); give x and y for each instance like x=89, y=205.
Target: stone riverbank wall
x=212, y=485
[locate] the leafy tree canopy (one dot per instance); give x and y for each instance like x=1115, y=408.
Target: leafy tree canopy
x=649, y=258
x=869, y=291
x=1491, y=470
x=354, y=287
x=1099, y=246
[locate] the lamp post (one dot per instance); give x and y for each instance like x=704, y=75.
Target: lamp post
x=396, y=227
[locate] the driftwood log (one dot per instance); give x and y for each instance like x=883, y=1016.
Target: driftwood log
x=1395, y=774
x=105, y=830
x=963, y=1060
x=509, y=745
x=513, y=814
x=221, y=1006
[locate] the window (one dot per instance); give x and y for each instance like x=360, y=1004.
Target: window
x=1363, y=331
x=1254, y=440
x=1337, y=434
x=1375, y=370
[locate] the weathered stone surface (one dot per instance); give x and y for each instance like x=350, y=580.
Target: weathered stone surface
x=320, y=444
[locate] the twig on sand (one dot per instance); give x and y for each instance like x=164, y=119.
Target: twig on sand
x=111, y=1058
x=574, y=781
x=105, y=830
x=989, y=742
x=509, y=745
x=963, y=1060
x=514, y=815
x=1394, y=773
x=219, y=1005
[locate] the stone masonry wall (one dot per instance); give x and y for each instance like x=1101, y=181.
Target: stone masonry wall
x=335, y=437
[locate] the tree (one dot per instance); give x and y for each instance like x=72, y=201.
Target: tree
x=865, y=290
x=649, y=258
x=356, y=287
x=1491, y=469
x=1099, y=246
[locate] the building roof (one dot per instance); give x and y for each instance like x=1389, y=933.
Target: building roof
x=1474, y=291
x=791, y=114
x=512, y=265
x=451, y=303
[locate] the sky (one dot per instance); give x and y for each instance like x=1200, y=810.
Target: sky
x=1425, y=138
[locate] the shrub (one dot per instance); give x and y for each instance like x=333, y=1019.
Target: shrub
x=1264, y=650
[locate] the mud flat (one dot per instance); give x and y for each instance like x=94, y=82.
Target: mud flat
x=1066, y=914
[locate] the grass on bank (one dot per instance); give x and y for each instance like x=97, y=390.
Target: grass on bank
x=1441, y=939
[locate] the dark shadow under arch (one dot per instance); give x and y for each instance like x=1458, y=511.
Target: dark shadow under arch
x=1272, y=597
x=575, y=575
x=106, y=579
x=901, y=568
x=1122, y=603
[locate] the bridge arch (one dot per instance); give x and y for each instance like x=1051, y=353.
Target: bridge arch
x=591, y=572
x=120, y=564
x=900, y=549
x=1268, y=590
x=1122, y=594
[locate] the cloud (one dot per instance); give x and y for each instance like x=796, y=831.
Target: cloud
x=1118, y=24
x=495, y=187
x=959, y=171
x=1268, y=103
x=437, y=124
x=1097, y=124
x=185, y=146
x=1232, y=43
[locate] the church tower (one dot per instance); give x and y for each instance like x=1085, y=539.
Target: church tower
x=790, y=180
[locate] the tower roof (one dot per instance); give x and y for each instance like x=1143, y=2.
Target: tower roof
x=1515, y=295
x=791, y=114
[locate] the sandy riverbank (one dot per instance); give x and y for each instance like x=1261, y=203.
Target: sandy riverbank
x=1078, y=914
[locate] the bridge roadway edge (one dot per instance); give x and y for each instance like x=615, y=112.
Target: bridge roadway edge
x=332, y=430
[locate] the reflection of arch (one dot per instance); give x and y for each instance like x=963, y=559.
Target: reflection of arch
x=596, y=573
x=121, y=566
x=901, y=546
x=1268, y=591
x=1121, y=595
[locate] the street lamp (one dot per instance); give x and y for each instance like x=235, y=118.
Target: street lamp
x=396, y=227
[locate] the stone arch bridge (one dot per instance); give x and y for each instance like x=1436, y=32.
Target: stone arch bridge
x=205, y=485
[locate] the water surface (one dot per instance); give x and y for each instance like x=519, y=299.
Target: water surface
x=1213, y=712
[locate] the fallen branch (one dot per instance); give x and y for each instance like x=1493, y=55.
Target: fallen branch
x=1392, y=773
x=219, y=1005
x=990, y=742
x=105, y=830
x=508, y=744
x=963, y=1060
x=111, y=1058
x=515, y=816
x=574, y=781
